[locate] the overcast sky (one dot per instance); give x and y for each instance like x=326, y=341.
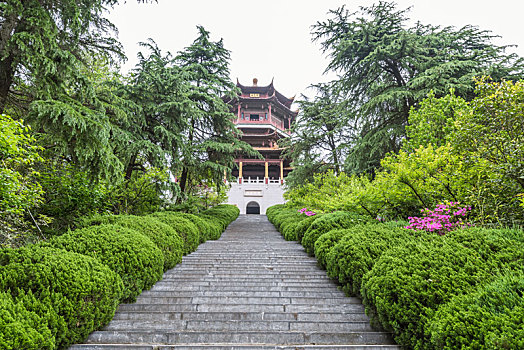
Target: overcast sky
x=271, y=39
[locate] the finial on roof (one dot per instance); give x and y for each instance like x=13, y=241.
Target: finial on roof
x=272, y=80
x=255, y=81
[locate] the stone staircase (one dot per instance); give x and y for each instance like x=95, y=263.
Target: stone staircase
x=248, y=290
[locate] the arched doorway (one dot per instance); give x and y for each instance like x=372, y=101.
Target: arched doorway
x=253, y=208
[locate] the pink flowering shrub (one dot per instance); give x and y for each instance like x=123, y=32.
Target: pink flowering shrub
x=307, y=212
x=444, y=218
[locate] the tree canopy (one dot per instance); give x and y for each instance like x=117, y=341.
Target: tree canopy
x=386, y=67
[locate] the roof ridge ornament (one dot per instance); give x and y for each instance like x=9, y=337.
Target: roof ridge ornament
x=255, y=82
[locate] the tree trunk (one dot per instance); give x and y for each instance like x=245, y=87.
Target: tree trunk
x=7, y=70
x=6, y=79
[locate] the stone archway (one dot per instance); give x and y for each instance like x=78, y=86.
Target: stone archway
x=253, y=208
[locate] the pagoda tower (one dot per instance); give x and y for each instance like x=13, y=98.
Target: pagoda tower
x=264, y=117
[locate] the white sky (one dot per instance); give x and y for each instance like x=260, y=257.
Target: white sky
x=272, y=38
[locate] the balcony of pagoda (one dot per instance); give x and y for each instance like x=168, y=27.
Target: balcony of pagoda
x=261, y=171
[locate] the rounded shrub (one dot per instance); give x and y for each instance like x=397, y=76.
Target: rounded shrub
x=503, y=248
x=328, y=222
x=164, y=237
x=284, y=216
x=409, y=282
x=25, y=322
x=358, y=250
x=185, y=228
x=326, y=242
x=82, y=291
x=206, y=229
x=273, y=210
x=133, y=256
x=288, y=228
x=491, y=317
x=304, y=225
x=223, y=214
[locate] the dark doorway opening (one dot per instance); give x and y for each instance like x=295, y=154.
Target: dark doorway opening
x=253, y=208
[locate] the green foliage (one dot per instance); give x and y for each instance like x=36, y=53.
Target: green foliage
x=491, y=133
x=69, y=194
x=133, y=256
x=284, y=216
x=222, y=214
x=321, y=134
x=387, y=66
x=325, y=243
x=288, y=228
x=326, y=223
x=82, y=291
x=207, y=229
x=433, y=121
x=503, y=248
x=488, y=318
x=162, y=235
x=22, y=326
x=19, y=188
x=304, y=225
x=409, y=282
x=357, y=251
x=210, y=144
x=186, y=229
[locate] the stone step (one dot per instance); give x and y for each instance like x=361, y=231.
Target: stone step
x=356, y=316
x=237, y=326
x=148, y=299
x=230, y=347
x=166, y=287
x=243, y=293
x=295, y=308
x=242, y=284
x=211, y=337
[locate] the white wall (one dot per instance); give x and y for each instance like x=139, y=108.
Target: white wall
x=265, y=195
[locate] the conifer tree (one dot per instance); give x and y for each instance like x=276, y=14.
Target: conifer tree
x=210, y=142
x=386, y=67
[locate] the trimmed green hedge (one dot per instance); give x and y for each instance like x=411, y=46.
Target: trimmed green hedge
x=492, y=317
x=133, y=256
x=223, y=214
x=25, y=323
x=70, y=294
x=463, y=290
x=185, y=228
x=52, y=298
x=328, y=222
x=303, y=226
x=357, y=251
x=409, y=282
x=207, y=228
x=325, y=244
x=162, y=235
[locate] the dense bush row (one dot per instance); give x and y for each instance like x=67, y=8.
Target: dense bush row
x=462, y=290
x=57, y=292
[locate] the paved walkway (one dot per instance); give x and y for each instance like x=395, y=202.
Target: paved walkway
x=249, y=290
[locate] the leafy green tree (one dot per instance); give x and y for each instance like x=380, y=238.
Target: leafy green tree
x=386, y=67
x=153, y=131
x=19, y=188
x=321, y=135
x=210, y=141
